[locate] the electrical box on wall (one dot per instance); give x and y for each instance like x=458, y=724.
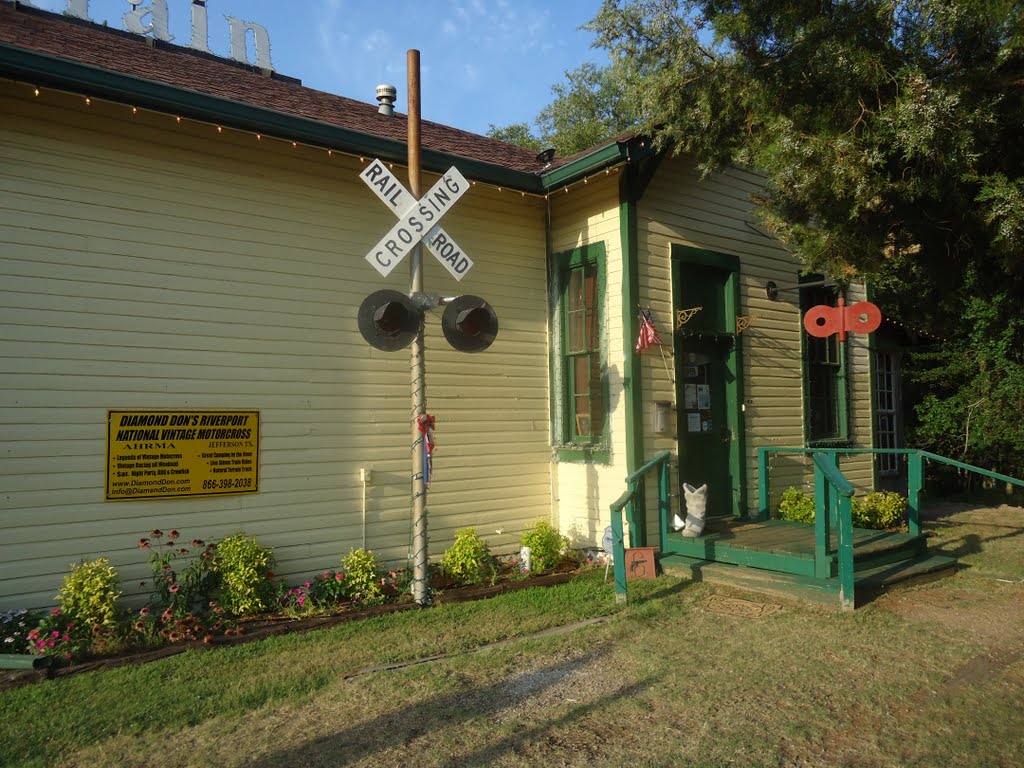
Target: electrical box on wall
x=663, y=421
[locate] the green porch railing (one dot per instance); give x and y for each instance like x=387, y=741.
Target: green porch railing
x=832, y=494
x=634, y=502
x=915, y=474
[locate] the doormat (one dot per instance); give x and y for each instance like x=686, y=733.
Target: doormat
x=735, y=606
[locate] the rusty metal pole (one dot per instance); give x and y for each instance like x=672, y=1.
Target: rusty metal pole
x=420, y=547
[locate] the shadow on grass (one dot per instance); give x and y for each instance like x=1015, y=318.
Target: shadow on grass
x=640, y=596
x=452, y=710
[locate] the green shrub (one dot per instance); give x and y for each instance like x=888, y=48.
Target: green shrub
x=362, y=582
x=245, y=575
x=88, y=596
x=87, y=617
x=796, y=505
x=881, y=510
x=469, y=559
x=546, y=545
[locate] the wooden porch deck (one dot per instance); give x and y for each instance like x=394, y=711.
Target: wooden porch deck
x=779, y=555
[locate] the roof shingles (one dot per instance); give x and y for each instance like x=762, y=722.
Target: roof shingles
x=127, y=54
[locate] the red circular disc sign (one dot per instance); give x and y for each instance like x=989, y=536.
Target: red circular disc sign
x=863, y=317
x=822, y=321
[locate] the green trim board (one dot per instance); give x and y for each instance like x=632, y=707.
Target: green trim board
x=720, y=333
x=44, y=70
x=631, y=151
x=574, y=441
x=631, y=376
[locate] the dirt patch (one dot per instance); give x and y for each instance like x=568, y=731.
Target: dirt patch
x=995, y=619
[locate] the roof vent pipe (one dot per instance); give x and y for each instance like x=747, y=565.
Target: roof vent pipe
x=386, y=95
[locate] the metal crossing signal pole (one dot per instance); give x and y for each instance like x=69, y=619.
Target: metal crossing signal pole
x=420, y=551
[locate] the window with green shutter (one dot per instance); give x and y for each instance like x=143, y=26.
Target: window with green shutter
x=826, y=419
x=582, y=418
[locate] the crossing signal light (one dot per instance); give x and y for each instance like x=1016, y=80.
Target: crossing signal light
x=389, y=320
x=469, y=323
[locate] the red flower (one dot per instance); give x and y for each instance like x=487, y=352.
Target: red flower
x=339, y=576
x=144, y=611
x=173, y=535
x=174, y=588
x=144, y=544
x=55, y=612
x=270, y=574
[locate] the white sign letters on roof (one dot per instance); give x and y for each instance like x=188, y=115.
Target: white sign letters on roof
x=150, y=18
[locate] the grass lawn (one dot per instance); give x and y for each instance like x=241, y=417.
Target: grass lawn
x=926, y=677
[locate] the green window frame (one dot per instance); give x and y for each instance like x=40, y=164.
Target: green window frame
x=581, y=418
x=826, y=395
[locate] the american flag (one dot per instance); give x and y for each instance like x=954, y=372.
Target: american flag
x=648, y=333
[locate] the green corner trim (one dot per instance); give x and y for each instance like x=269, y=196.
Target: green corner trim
x=630, y=300
x=599, y=158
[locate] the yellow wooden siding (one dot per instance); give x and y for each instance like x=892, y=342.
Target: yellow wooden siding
x=716, y=214
x=151, y=264
x=583, y=492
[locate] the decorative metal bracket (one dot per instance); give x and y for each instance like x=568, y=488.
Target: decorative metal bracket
x=745, y=321
x=683, y=316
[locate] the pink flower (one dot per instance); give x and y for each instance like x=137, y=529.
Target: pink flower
x=157, y=533
x=173, y=535
x=306, y=585
x=339, y=576
x=55, y=633
x=174, y=588
x=144, y=544
x=55, y=612
x=144, y=611
x=33, y=634
x=67, y=655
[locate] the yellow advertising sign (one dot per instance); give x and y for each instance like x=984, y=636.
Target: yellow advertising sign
x=166, y=454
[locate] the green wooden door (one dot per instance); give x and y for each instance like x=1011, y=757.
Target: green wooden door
x=708, y=378
x=705, y=433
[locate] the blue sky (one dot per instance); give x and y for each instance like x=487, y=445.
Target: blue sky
x=483, y=61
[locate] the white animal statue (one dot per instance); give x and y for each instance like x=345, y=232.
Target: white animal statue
x=696, y=506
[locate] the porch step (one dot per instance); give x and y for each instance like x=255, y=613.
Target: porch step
x=794, y=586
x=885, y=549
x=920, y=569
x=869, y=581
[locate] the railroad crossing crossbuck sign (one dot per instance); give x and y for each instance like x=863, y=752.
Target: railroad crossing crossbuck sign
x=417, y=220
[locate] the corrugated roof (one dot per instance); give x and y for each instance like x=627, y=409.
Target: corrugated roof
x=127, y=54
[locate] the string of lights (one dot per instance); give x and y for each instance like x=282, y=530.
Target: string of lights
x=329, y=151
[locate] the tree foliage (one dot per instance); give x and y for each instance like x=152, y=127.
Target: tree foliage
x=515, y=133
x=889, y=135
x=883, y=127
x=592, y=105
